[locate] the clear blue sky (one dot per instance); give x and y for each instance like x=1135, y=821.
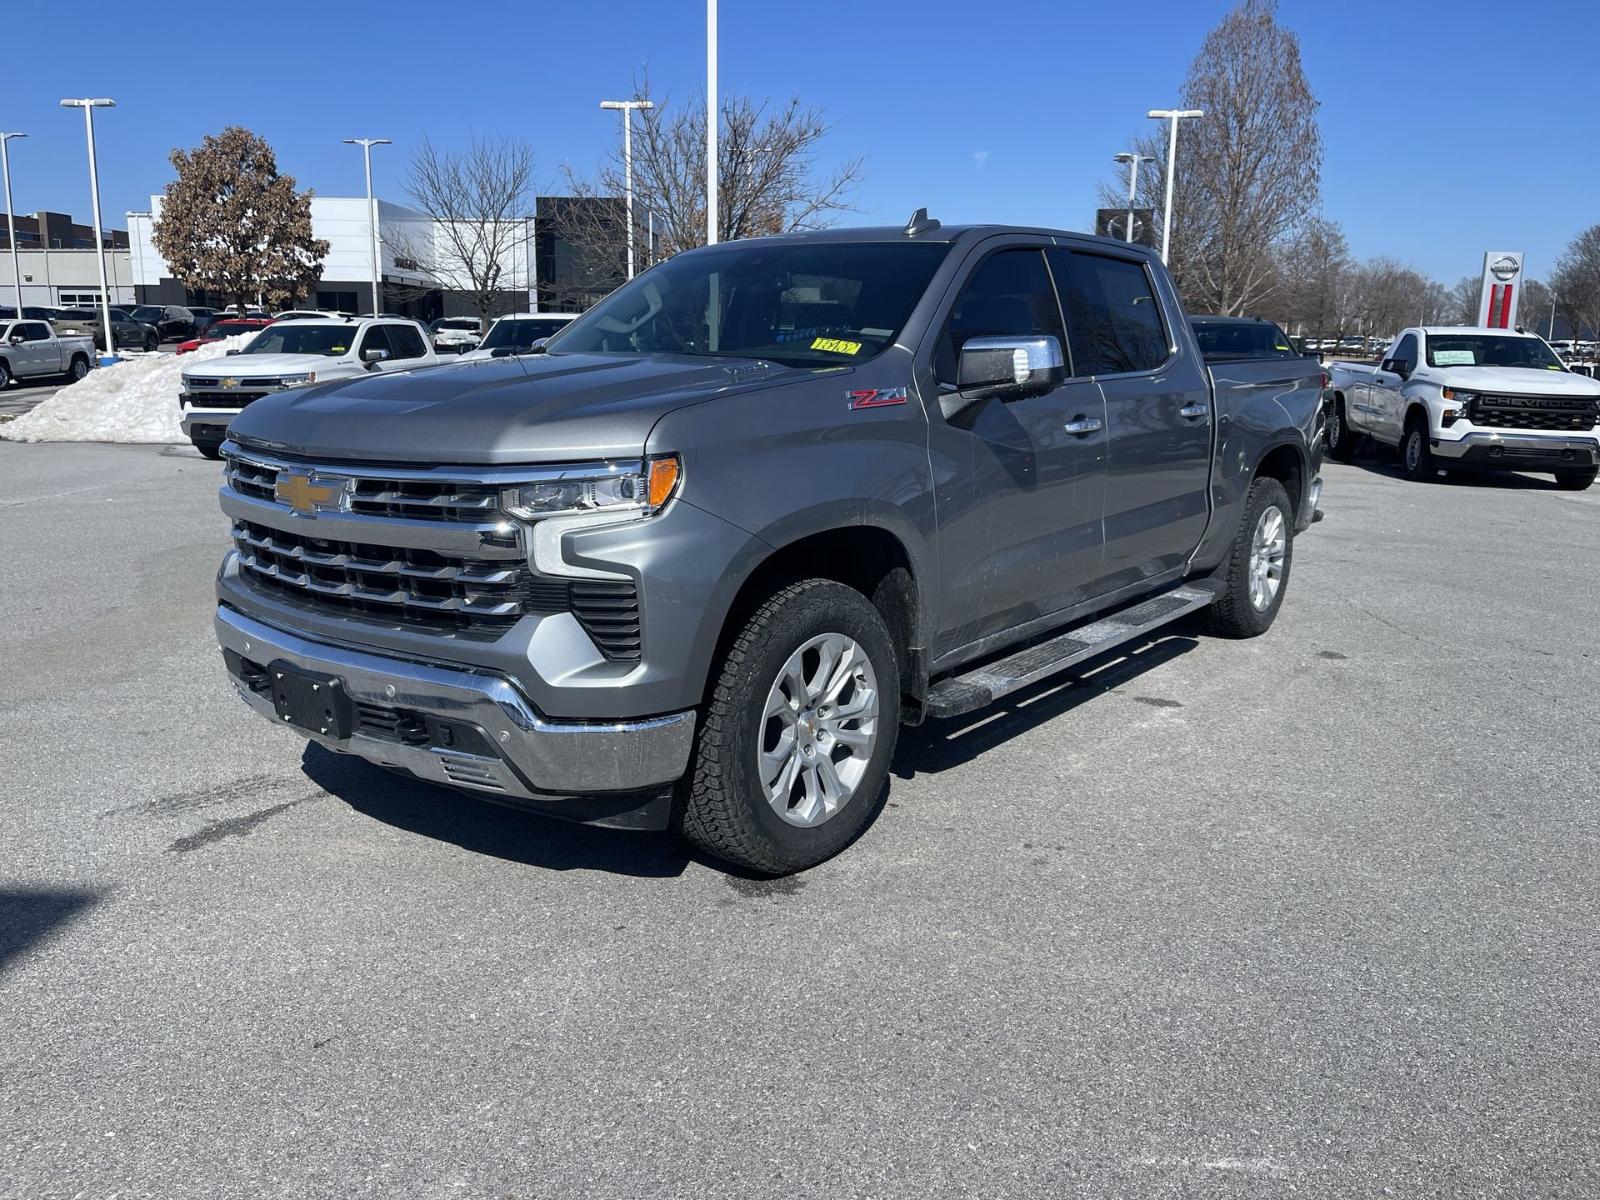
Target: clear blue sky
x=1449, y=129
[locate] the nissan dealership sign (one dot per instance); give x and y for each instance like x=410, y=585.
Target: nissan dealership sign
x=1501, y=289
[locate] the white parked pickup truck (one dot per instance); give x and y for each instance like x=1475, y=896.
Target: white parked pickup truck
x=291, y=354
x=29, y=349
x=1460, y=397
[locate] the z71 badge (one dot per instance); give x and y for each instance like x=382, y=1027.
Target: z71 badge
x=875, y=397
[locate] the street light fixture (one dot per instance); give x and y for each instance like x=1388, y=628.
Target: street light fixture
x=366, y=145
x=88, y=107
x=627, y=107
x=1133, y=159
x=1172, y=115
x=11, y=217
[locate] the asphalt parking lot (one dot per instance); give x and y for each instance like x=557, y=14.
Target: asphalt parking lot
x=1311, y=915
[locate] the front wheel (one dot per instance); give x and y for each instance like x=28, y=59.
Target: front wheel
x=1258, y=565
x=791, y=757
x=1416, y=454
x=1576, y=481
x=5, y=374
x=208, y=447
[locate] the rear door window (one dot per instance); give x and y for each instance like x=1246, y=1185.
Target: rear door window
x=1113, y=319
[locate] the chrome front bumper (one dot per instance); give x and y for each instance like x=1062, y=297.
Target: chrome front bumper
x=514, y=752
x=1583, y=449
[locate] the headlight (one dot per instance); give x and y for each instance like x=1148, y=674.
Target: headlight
x=623, y=489
x=1454, y=396
x=297, y=380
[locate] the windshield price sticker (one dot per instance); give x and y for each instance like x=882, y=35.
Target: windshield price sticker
x=836, y=346
x=1454, y=358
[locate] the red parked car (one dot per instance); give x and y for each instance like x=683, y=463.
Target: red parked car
x=218, y=330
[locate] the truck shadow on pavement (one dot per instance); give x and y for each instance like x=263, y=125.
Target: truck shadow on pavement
x=29, y=915
x=484, y=827
x=942, y=744
x=1389, y=468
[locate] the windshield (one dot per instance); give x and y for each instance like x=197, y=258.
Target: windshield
x=827, y=304
x=1490, y=350
x=522, y=331
x=147, y=314
x=295, y=338
x=457, y=323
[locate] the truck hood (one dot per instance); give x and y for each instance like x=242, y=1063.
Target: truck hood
x=537, y=408
x=254, y=366
x=1515, y=381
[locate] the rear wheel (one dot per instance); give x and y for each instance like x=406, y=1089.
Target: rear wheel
x=1416, y=455
x=78, y=369
x=1341, y=438
x=1258, y=565
x=1576, y=481
x=791, y=757
x=151, y=343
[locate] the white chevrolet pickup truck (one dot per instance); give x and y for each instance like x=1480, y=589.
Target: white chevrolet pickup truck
x=291, y=354
x=1461, y=397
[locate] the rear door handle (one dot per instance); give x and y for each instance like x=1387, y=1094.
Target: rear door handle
x=1082, y=425
x=1193, y=410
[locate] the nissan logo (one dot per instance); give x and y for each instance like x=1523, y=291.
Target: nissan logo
x=1503, y=268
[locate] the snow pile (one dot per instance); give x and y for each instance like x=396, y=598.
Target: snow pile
x=132, y=401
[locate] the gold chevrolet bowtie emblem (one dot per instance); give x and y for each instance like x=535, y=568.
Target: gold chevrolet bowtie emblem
x=230, y=382
x=310, y=494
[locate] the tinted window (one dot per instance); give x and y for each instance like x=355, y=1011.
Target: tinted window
x=377, y=338
x=1406, y=352
x=35, y=331
x=147, y=314
x=407, y=342
x=1008, y=295
x=522, y=332
x=1241, y=339
x=801, y=304
x=1489, y=350
x=1113, y=319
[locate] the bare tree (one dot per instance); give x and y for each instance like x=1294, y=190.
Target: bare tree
x=1248, y=172
x=1316, y=270
x=767, y=172
x=479, y=202
x=1576, y=283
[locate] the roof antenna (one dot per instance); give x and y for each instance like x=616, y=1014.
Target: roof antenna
x=920, y=222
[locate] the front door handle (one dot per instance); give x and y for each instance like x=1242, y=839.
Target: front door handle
x=1082, y=425
x=1193, y=410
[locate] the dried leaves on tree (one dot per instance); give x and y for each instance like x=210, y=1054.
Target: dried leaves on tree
x=231, y=224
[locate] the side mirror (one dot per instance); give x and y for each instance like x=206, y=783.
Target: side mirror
x=230, y=353
x=16, y=339
x=1394, y=366
x=375, y=354
x=1009, y=368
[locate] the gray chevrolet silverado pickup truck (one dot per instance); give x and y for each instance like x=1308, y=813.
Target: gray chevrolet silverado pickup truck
x=698, y=558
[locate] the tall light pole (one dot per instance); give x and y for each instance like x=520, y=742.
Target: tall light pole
x=88, y=107
x=1172, y=115
x=11, y=216
x=627, y=107
x=366, y=145
x=1133, y=159
x=711, y=122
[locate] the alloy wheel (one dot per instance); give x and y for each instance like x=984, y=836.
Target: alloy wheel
x=1269, y=547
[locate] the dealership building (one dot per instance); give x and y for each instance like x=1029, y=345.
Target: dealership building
x=541, y=271
x=56, y=259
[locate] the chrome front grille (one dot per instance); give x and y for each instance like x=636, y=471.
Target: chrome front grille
x=386, y=581
x=1553, y=413
x=412, y=495
x=411, y=546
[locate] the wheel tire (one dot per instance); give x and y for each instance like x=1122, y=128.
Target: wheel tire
x=1416, y=455
x=1236, y=613
x=1575, y=481
x=151, y=343
x=726, y=810
x=1341, y=438
x=209, y=447
x=5, y=374
x=78, y=369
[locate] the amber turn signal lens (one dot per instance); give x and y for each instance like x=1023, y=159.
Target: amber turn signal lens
x=664, y=474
